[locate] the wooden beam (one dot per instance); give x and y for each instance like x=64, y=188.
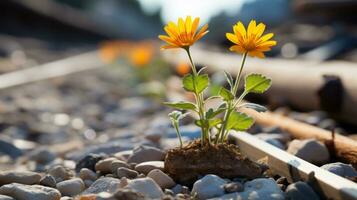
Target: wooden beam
x=295, y=169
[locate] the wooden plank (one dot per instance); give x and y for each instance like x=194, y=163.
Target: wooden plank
x=294, y=168
x=78, y=63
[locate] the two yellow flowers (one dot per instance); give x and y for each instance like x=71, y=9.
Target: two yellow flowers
x=250, y=40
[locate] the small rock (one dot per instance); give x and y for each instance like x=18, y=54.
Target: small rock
x=146, y=153
x=24, y=177
x=146, y=167
x=87, y=174
x=208, y=187
x=9, y=149
x=125, y=172
x=310, y=150
x=233, y=187
x=177, y=189
x=104, y=184
x=60, y=173
x=123, y=154
x=162, y=179
x=42, y=155
x=262, y=189
x=26, y=192
x=71, y=187
x=340, y=169
x=117, y=164
x=4, y=197
x=88, y=183
x=300, y=191
x=67, y=198
x=128, y=194
x=169, y=192
x=49, y=181
x=105, y=166
x=146, y=186
x=185, y=190
x=89, y=161
x=105, y=196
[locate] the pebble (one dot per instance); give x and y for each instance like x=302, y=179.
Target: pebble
x=88, y=183
x=71, y=187
x=24, y=177
x=105, y=166
x=127, y=173
x=87, y=174
x=162, y=179
x=208, y=187
x=340, y=169
x=310, y=150
x=4, y=197
x=300, y=191
x=146, y=153
x=42, y=155
x=26, y=192
x=177, y=189
x=146, y=186
x=233, y=187
x=9, y=149
x=128, y=194
x=89, y=161
x=117, y=164
x=123, y=154
x=146, y=167
x=104, y=184
x=48, y=181
x=60, y=173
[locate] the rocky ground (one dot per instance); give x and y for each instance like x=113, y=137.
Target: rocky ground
x=86, y=136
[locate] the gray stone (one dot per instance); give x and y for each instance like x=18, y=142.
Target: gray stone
x=7, y=147
x=162, y=179
x=233, y=187
x=24, y=177
x=5, y=197
x=310, y=150
x=88, y=183
x=42, y=155
x=146, y=167
x=123, y=154
x=128, y=194
x=300, y=191
x=60, y=173
x=48, y=181
x=208, y=187
x=26, y=192
x=89, y=161
x=104, y=184
x=117, y=164
x=177, y=189
x=262, y=189
x=71, y=187
x=340, y=169
x=147, y=187
x=146, y=153
x=127, y=173
x=105, y=166
x=87, y=174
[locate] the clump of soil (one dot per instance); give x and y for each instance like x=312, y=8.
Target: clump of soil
x=186, y=164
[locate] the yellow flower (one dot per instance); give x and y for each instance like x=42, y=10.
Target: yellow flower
x=252, y=40
x=183, y=34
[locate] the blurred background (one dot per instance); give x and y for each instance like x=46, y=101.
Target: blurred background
x=313, y=66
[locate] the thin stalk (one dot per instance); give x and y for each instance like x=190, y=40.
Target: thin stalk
x=230, y=108
x=199, y=101
x=176, y=125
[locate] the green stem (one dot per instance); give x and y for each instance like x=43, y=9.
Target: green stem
x=199, y=101
x=231, y=107
x=176, y=125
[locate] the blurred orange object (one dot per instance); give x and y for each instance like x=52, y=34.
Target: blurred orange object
x=141, y=54
x=109, y=51
x=183, y=68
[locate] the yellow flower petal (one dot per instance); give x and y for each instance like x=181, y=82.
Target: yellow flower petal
x=231, y=37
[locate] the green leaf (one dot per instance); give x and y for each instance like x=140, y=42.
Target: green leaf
x=256, y=83
x=195, y=84
x=226, y=94
x=211, y=122
x=229, y=78
x=239, y=121
x=212, y=113
x=177, y=115
x=181, y=105
x=257, y=107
